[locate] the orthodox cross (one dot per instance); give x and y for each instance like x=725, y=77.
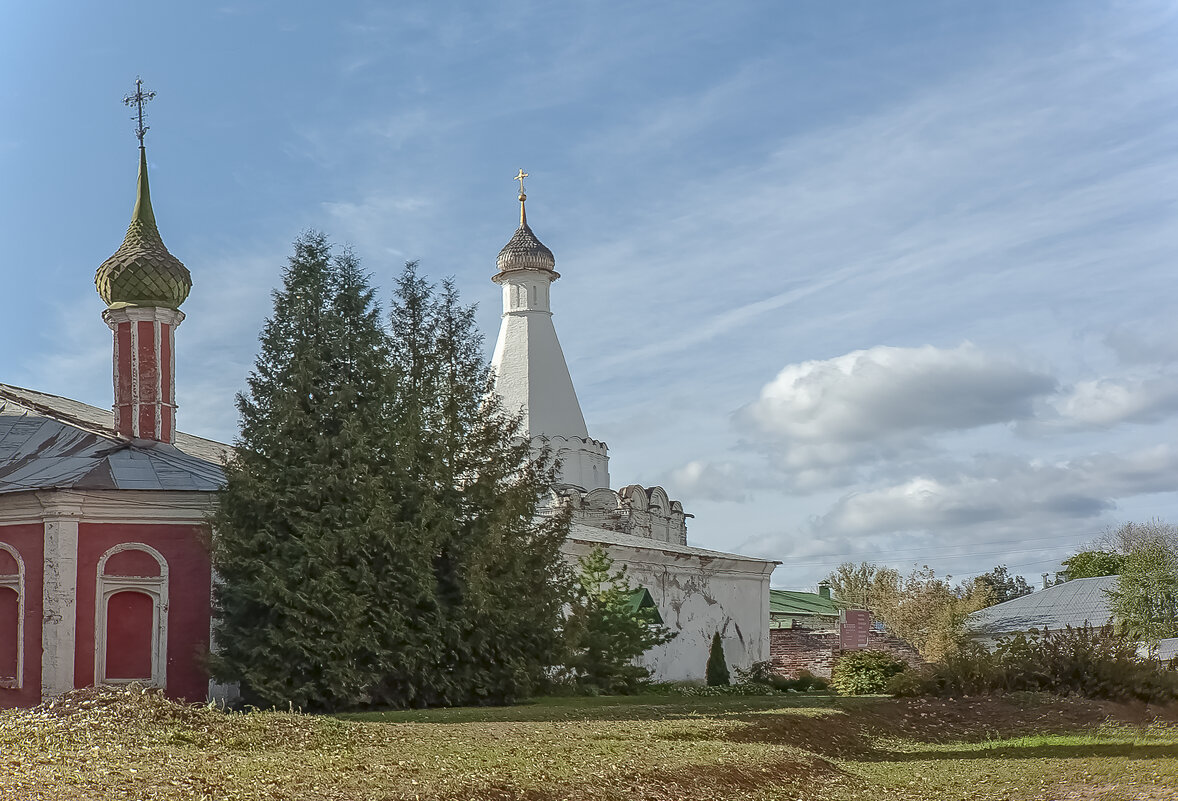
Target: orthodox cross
x=520, y=177
x=138, y=100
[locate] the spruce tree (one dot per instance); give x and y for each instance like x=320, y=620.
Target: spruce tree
x=499, y=577
x=607, y=631
x=717, y=667
x=293, y=536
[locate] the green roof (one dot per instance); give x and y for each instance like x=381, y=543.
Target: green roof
x=789, y=602
x=640, y=599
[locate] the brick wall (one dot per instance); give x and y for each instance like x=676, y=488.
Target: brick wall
x=794, y=650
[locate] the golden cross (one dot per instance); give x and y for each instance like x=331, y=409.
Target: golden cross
x=138, y=99
x=520, y=177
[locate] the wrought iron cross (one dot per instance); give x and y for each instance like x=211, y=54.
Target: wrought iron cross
x=520, y=177
x=138, y=100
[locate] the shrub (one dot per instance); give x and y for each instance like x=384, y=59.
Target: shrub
x=863, y=672
x=717, y=669
x=1089, y=662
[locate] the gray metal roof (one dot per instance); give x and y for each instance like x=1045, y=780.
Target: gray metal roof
x=50, y=442
x=579, y=532
x=1073, y=603
x=1167, y=649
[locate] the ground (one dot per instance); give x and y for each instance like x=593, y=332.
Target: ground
x=132, y=746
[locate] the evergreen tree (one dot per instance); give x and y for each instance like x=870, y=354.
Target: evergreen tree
x=500, y=580
x=293, y=532
x=717, y=668
x=606, y=630
x=378, y=541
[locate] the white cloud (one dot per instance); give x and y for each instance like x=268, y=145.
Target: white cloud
x=1004, y=490
x=714, y=481
x=869, y=404
x=1106, y=402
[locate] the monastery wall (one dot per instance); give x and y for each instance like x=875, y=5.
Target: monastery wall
x=697, y=596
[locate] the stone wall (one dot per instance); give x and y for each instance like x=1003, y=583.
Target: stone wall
x=798, y=649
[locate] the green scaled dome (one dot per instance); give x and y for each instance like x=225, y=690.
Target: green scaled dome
x=142, y=272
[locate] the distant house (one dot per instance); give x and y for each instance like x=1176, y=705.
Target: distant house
x=1074, y=603
x=808, y=610
x=808, y=632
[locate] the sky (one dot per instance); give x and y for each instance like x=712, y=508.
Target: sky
x=890, y=282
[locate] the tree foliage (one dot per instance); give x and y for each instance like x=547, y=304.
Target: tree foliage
x=1091, y=564
x=1001, y=585
x=1144, y=601
x=606, y=631
x=925, y=610
x=376, y=541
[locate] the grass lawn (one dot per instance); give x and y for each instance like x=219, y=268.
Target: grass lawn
x=123, y=746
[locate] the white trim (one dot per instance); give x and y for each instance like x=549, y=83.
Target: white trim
x=110, y=506
x=59, y=591
x=157, y=333
x=16, y=582
x=156, y=588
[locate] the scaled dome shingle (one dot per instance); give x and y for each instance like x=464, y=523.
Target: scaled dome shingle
x=142, y=272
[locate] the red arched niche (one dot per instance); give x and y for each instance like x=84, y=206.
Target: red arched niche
x=132, y=562
x=9, y=632
x=129, y=627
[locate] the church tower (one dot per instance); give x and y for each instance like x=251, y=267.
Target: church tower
x=143, y=286
x=529, y=366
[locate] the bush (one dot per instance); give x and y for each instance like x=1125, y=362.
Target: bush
x=803, y=683
x=1089, y=662
x=717, y=669
x=864, y=672
x=762, y=673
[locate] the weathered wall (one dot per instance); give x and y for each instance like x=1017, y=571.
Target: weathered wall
x=697, y=596
x=798, y=649
x=26, y=540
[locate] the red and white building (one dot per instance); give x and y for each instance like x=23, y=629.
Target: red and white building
x=104, y=566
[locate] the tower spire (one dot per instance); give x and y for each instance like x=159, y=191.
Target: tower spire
x=143, y=286
x=523, y=198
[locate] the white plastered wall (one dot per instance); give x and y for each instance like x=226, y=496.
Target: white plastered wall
x=696, y=597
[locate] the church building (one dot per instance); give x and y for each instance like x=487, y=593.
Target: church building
x=105, y=575
x=697, y=592
x=104, y=567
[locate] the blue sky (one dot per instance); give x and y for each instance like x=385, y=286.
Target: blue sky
x=883, y=281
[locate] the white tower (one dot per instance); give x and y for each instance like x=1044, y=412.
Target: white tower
x=530, y=371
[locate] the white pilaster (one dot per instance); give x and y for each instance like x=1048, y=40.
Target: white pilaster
x=61, y=512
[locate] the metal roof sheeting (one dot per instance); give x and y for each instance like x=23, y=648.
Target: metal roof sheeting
x=48, y=442
x=789, y=602
x=1074, y=603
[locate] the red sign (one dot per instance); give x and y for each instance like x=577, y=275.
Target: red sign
x=854, y=624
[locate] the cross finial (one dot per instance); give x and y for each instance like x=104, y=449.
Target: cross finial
x=138, y=100
x=520, y=176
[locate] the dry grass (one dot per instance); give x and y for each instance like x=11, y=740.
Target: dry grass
x=136, y=745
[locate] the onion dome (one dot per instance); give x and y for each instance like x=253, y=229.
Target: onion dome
x=524, y=251
x=142, y=272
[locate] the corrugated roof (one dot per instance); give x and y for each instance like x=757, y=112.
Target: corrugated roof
x=790, y=602
x=1074, y=603
x=50, y=442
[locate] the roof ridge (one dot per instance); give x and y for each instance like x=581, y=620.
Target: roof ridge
x=56, y=414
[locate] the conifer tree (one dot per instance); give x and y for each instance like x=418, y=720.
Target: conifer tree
x=500, y=580
x=293, y=544
x=377, y=541
x=717, y=667
x=607, y=631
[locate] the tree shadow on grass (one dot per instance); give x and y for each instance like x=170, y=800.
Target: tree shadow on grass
x=608, y=708
x=1045, y=751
